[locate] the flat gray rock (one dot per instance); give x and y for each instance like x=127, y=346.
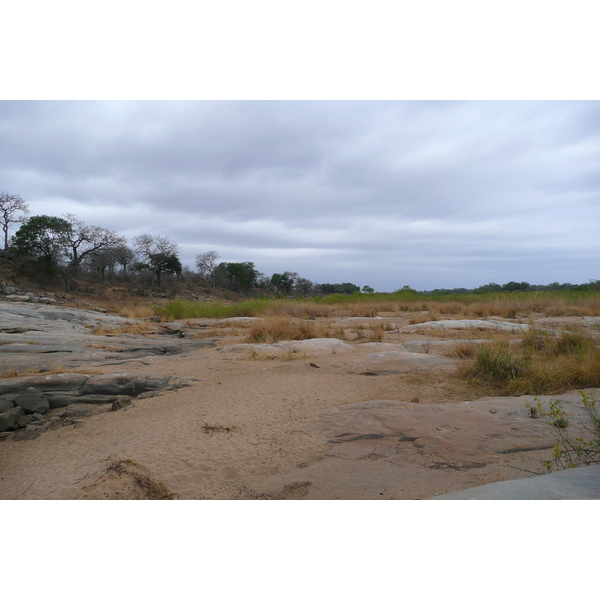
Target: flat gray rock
x=465, y=324
x=314, y=347
x=34, y=336
x=402, y=360
x=582, y=483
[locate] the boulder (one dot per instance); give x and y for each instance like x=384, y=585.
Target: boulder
x=32, y=401
x=8, y=420
x=6, y=402
x=25, y=434
x=97, y=399
x=121, y=384
x=402, y=361
x=46, y=383
x=60, y=399
x=25, y=420
x=8, y=289
x=465, y=324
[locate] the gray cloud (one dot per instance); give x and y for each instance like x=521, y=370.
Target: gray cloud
x=429, y=194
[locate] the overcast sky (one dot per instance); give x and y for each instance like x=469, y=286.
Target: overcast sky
x=383, y=193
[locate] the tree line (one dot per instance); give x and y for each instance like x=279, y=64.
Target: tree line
x=49, y=247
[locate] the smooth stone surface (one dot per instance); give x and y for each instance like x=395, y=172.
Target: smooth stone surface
x=582, y=483
x=401, y=361
x=466, y=324
x=313, y=347
x=125, y=384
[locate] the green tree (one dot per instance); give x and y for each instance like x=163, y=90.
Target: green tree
x=42, y=239
x=514, y=286
x=284, y=282
x=238, y=276
x=339, y=288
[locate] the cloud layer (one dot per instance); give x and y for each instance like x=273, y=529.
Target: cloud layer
x=427, y=194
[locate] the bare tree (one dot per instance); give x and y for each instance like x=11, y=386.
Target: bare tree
x=304, y=287
x=206, y=265
x=85, y=240
x=124, y=256
x=159, y=252
x=10, y=206
x=147, y=245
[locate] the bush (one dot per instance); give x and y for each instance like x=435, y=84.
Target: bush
x=568, y=452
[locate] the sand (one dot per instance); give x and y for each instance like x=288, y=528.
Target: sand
x=283, y=428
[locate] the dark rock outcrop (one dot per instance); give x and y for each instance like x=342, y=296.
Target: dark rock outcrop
x=25, y=400
x=32, y=401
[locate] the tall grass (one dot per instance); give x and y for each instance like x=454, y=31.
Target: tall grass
x=543, y=364
x=275, y=329
x=185, y=309
x=502, y=304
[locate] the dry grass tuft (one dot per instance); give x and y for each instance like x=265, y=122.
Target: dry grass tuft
x=148, y=488
x=136, y=312
x=464, y=349
x=544, y=363
x=376, y=332
x=276, y=329
x=136, y=328
x=12, y=373
x=211, y=428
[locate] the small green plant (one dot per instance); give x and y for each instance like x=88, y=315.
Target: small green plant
x=570, y=452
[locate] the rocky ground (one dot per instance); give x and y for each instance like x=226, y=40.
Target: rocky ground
x=188, y=410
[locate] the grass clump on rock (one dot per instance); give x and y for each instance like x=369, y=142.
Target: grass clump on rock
x=544, y=363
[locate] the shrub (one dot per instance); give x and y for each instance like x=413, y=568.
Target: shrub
x=571, y=452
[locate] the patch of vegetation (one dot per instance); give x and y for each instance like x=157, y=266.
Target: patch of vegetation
x=212, y=428
x=496, y=363
x=571, y=452
x=543, y=364
x=277, y=329
x=149, y=488
x=12, y=373
x=135, y=328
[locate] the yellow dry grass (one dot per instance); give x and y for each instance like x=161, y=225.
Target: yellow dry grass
x=134, y=328
x=12, y=373
x=543, y=363
x=278, y=328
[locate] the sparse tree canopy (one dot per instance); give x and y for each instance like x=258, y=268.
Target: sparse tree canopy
x=124, y=256
x=158, y=253
x=304, y=287
x=83, y=240
x=206, y=265
x=10, y=207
